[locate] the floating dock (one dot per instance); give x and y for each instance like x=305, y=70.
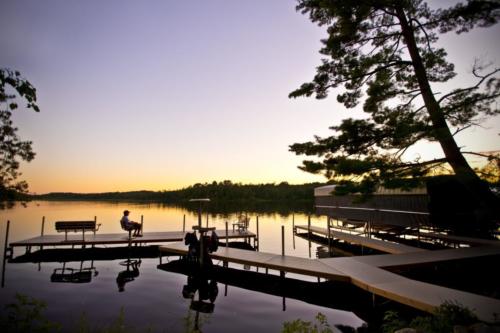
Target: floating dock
x=120, y=238
x=420, y=295
x=304, y=266
x=376, y=244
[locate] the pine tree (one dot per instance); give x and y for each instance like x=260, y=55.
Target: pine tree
x=384, y=53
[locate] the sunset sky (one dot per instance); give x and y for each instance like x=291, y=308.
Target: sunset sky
x=163, y=94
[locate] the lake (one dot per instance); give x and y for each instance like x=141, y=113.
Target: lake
x=153, y=298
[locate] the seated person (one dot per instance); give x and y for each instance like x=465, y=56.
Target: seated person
x=130, y=225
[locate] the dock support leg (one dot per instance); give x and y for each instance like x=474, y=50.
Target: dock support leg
x=282, y=273
x=6, y=254
x=329, y=236
x=41, y=232
x=257, y=238
x=6, y=245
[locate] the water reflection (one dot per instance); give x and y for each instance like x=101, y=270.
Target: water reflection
x=251, y=293
x=72, y=275
x=202, y=289
x=129, y=274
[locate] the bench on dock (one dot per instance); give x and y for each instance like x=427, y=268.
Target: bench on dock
x=76, y=226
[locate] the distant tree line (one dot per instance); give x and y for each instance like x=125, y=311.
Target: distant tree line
x=225, y=191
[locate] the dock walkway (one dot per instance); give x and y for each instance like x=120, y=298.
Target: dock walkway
x=423, y=257
x=460, y=239
x=304, y=266
x=417, y=294
x=420, y=295
x=372, y=243
x=120, y=238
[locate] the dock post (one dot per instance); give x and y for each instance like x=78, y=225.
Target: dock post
x=309, y=233
x=258, y=238
x=283, y=240
x=207, y=218
x=43, y=225
x=225, y=263
x=184, y=224
x=227, y=233
x=282, y=273
x=329, y=236
x=6, y=245
x=199, y=215
x=142, y=223
x=5, y=252
x=41, y=232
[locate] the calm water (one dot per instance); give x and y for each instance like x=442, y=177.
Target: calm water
x=154, y=298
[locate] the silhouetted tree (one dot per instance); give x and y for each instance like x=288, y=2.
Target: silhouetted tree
x=12, y=148
x=384, y=52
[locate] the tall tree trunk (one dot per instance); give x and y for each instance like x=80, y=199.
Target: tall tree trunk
x=489, y=203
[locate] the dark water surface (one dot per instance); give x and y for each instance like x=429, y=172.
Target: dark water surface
x=154, y=297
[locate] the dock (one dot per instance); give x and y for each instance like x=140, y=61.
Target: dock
x=423, y=257
x=420, y=295
x=460, y=239
x=120, y=238
x=277, y=262
x=376, y=244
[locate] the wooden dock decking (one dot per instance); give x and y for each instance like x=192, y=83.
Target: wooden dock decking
x=423, y=257
x=460, y=239
x=290, y=264
x=372, y=243
x=420, y=295
x=119, y=238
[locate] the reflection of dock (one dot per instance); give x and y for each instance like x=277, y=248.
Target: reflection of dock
x=347, y=297
x=372, y=243
x=119, y=238
x=72, y=275
x=420, y=295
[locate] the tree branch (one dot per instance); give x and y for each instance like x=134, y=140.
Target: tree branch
x=458, y=91
x=490, y=157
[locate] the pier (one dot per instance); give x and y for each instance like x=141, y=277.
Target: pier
x=120, y=238
x=376, y=244
x=367, y=276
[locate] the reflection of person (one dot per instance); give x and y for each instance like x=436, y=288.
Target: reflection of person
x=130, y=225
x=208, y=290
x=128, y=275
